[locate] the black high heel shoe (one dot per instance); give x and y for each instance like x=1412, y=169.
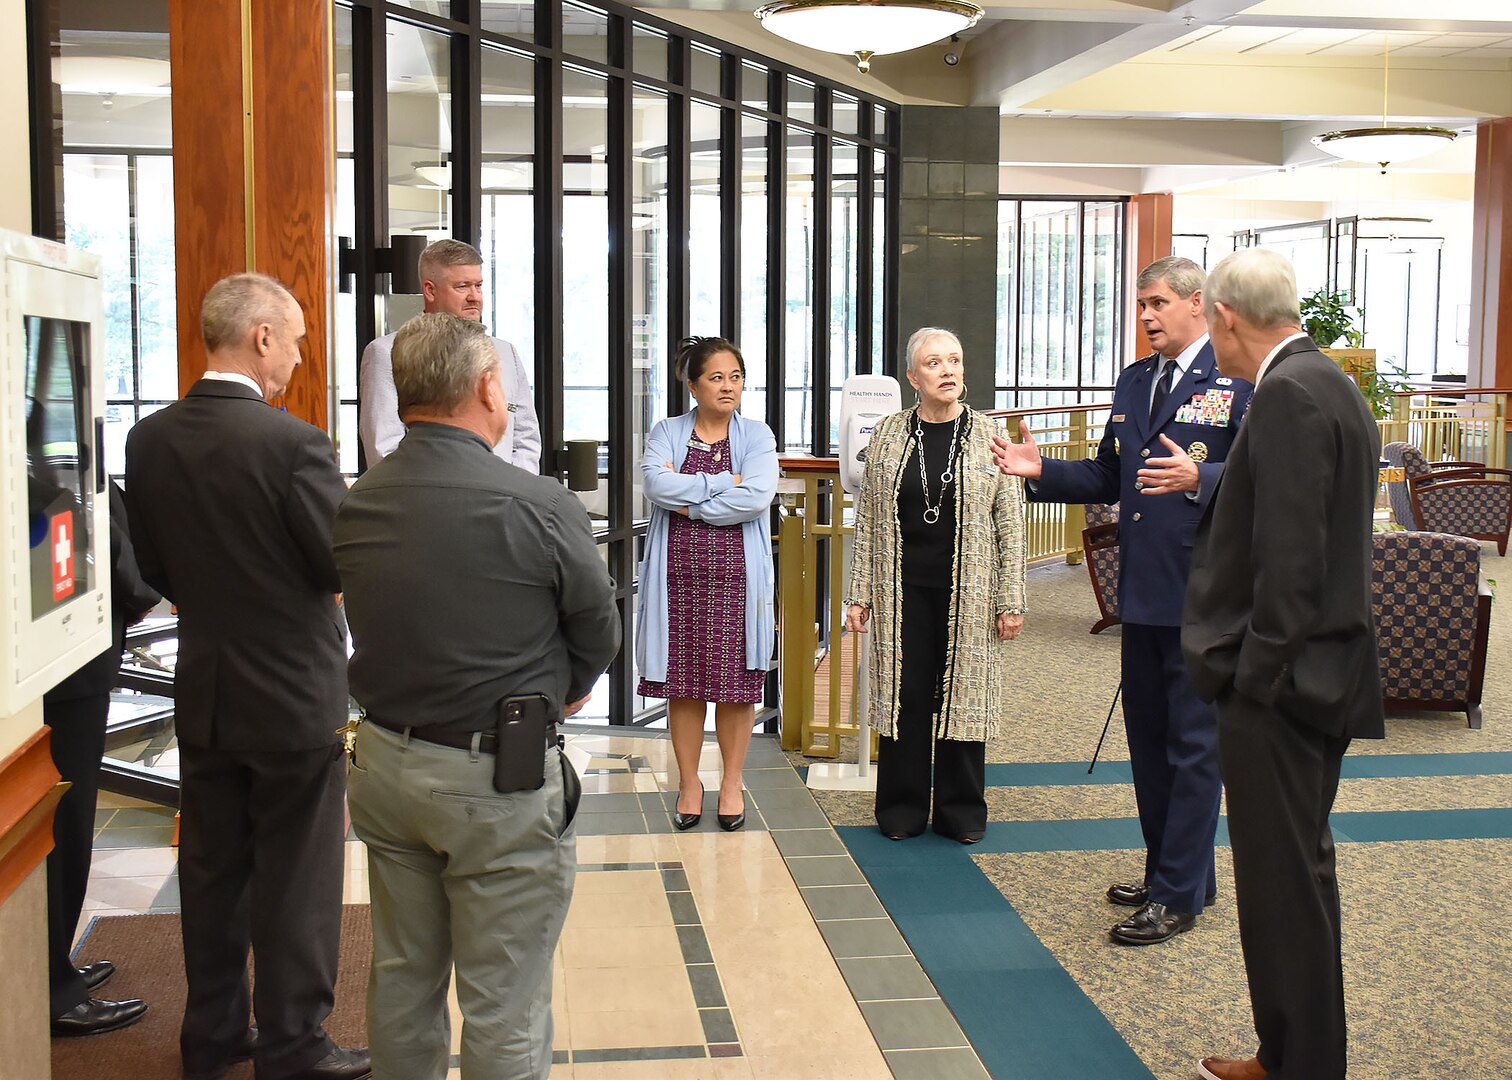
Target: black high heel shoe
x=731, y=822
x=683, y=822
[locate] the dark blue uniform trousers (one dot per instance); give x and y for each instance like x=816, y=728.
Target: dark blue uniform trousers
x=1173, y=753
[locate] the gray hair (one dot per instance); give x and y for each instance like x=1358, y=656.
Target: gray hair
x=239, y=304
x=1258, y=285
x=444, y=254
x=1183, y=275
x=922, y=337
x=438, y=360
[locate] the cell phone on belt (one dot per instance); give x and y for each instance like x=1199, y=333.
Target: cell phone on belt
x=520, y=756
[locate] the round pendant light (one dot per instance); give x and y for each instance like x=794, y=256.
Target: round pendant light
x=867, y=28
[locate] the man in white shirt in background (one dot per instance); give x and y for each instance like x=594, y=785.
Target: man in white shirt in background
x=451, y=275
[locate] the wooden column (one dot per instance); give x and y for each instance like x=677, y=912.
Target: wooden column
x=1491, y=257
x=1149, y=238
x=252, y=167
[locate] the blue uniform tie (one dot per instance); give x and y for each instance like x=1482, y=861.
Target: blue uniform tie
x=1162, y=388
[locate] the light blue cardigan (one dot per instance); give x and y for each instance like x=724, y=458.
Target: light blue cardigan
x=715, y=498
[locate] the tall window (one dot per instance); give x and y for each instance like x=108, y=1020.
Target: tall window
x=629, y=183
x=1060, y=300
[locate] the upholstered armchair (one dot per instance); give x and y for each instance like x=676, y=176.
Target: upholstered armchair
x=1474, y=501
x=1433, y=615
x=1464, y=498
x=1100, y=545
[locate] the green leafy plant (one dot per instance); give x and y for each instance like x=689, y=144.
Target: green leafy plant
x=1379, y=389
x=1326, y=317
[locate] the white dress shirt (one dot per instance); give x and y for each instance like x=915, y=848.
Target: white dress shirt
x=378, y=417
x=233, y=376
x=1266, y=363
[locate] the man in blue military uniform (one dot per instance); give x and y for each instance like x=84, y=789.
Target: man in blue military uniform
x=1174, y=418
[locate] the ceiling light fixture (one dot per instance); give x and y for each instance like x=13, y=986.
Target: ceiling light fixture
x=1385, y=144
x=867, y=28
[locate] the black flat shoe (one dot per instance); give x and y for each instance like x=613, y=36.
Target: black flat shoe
x=970, y=838
x=684, y=822
x=97, y=974
x=95, y=1017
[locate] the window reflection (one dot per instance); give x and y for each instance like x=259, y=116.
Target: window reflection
x=650, y=347
x=705, y=252
x=799, y=290
x=753, y=264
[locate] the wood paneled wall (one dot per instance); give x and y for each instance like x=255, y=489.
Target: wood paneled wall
x=1491, y=258
x=251, y=82
x=1149, y=238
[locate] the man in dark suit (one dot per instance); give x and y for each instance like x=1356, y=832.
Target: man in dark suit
x=77, y=710
x=1278, y=631
x=1175, y=415
x=231, y=506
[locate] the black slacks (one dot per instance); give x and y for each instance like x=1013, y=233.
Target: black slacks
x=260, y=867
x=903, y=763
x=78, y=743
x=1281, y=779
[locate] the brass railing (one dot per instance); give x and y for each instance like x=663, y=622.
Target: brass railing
x=1451, y=423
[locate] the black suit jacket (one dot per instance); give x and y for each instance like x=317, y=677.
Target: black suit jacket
x=130, y=599
x=1278, y=605
x=231, y=506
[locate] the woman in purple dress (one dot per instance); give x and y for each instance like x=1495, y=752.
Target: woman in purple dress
x=705, y=626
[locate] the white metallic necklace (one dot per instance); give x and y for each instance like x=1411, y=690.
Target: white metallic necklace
x=932, y=513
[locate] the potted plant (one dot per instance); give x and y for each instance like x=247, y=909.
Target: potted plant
x=1328, y=318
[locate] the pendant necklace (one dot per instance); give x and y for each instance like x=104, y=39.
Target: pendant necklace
x=932, y=513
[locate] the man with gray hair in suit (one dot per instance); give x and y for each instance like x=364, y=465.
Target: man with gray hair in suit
x=451, y=275
x=1279, y=633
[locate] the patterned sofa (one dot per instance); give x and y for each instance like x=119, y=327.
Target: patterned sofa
x=1433, y=614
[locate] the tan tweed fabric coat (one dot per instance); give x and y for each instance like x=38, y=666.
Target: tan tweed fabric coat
x=988, y=577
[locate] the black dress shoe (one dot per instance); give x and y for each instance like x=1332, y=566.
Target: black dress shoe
x=970, y=838
x=1151, y=925
x=95, y=1017
x=684, y=822
x=1128, y=894
x=340, y=1064
x=97, y=974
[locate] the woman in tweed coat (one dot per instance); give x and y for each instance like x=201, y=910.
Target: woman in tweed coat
x=938, y=578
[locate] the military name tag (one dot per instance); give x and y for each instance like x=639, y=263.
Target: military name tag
x=1119, y=418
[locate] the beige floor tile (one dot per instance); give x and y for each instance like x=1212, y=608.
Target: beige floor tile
x=619, y=910
x=636, y=1027
x=133, y=862
x=619, y=882
x=611, y=947
x=818, y=1063
x=738, y=872
x=354, y=889
x=653, y=847
x=128, y=893
x=597, y=990
x=738, y=907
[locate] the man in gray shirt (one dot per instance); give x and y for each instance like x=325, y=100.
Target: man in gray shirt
x=451, y=275
x=471, y=587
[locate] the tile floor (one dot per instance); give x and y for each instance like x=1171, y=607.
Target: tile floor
x=758, y=954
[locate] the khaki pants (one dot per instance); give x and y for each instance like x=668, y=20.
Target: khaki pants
x=459, y=874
